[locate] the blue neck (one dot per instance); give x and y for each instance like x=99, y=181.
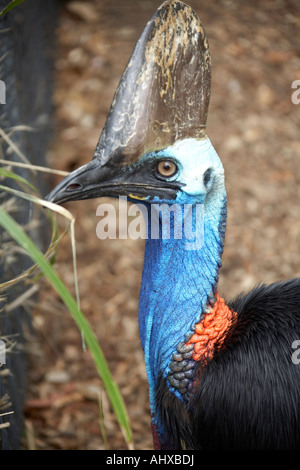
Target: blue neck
x=177, y=284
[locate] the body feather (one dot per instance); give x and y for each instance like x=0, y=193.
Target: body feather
x=248, y=395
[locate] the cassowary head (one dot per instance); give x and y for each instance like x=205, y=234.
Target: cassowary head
x=154, y=146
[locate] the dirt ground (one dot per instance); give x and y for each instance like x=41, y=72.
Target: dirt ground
x=254, y=127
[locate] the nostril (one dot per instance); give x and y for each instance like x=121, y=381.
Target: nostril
x=74, y=186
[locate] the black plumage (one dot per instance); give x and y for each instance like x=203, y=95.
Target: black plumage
x=248, y=395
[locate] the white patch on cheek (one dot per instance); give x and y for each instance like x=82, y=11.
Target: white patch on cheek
x=193, y=178
x=196, y=157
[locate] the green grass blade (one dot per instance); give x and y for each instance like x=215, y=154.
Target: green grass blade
x=10, y=6
x=18, y=234
x=19, y=179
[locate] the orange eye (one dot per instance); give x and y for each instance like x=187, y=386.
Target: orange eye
x=166, y=168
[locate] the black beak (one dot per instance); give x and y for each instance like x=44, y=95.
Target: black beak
x=93, y=180
x=83, y=183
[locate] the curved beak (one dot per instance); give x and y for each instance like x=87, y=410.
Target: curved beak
x=93, y=180
x=82, y=183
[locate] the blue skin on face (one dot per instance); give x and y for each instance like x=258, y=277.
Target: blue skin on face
x=178, y=281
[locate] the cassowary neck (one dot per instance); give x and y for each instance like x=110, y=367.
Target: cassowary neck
x=179, y=286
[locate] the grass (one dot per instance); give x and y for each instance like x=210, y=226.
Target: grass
x=10, y=6
x=44, y=265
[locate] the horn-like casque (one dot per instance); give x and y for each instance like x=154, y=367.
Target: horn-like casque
x=164, y=93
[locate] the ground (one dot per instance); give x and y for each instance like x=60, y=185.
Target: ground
x=254, y=126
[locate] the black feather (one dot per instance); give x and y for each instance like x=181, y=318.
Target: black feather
x=248, y=395
x=175, y=417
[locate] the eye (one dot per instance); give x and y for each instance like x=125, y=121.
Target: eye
x=166, y=168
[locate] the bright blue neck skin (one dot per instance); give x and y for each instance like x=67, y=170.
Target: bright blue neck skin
x=178, y=282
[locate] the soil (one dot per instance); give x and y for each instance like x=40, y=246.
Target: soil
x=254, y=126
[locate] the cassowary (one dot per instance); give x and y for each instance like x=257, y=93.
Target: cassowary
x=221, y=375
